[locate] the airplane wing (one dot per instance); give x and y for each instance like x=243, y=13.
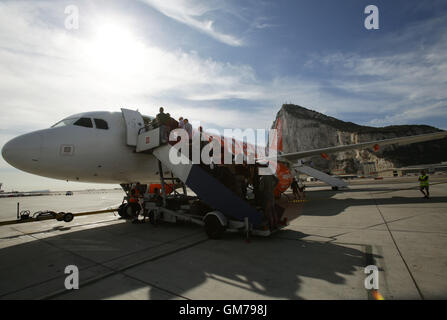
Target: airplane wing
x=293, y=157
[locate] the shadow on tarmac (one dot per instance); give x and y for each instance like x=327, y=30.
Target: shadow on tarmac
x=228, y=268
x=322, y=203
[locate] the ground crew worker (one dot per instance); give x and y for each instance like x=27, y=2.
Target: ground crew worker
x=267, y=187
x=294, y=187
x=423, y=182
x=172, y=123
x=134, y=200
x=297, y=191
x=301, y=188
x=156, y=197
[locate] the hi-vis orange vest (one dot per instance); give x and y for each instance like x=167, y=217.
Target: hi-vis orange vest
x=134, y=197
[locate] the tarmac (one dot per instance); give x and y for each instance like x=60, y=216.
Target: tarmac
x=322, y=254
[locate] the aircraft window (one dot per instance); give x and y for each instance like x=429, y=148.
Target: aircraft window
x=101, y=124
x=84, y=122
x=64, y=122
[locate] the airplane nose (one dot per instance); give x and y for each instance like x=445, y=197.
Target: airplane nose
x=23, y=152
x=5, y=151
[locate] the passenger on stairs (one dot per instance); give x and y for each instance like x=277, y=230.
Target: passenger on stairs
x=181, y=123
x=163, y=122
x=172, y=123
x=188, y=128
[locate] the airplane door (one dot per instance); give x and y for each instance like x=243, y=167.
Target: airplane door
x=134, y=122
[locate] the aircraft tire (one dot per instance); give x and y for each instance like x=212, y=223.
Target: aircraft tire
x=122, y=211
x=213, y=228
x=68, y=217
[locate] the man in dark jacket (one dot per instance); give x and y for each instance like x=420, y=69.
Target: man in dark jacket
x=294, y=187
x=163, y=123
x=162, y=118
x=267, y=187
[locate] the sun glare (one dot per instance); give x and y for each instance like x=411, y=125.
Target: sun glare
x=115, y=49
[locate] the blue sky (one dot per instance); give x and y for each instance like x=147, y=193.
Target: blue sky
x=228, y=64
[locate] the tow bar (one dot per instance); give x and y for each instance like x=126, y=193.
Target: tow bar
x=25, y=216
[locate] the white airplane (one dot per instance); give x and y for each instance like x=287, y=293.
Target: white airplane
x=86, y=147
x=99, y=147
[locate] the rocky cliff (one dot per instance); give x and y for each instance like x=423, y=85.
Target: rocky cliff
x=305, y=129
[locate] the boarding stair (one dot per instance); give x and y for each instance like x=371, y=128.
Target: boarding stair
x=199, y=179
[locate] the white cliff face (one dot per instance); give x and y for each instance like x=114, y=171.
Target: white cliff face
x=304, y=129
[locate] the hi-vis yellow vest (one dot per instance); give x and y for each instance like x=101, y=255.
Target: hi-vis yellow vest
x=423, y=181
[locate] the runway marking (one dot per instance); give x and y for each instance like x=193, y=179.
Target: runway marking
x=369, y=257
x=372, y=294
x=398, y=250
x=380, y=224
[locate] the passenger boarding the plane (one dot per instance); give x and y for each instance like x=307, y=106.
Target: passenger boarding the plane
x=188, y=128
x=172, y=123
x=181, y=123
x=202, y=143
x=162, y=117
x=163, y=123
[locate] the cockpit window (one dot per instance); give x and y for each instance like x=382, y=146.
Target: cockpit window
x=101, y=124
x=84, y=122
x=64, y=122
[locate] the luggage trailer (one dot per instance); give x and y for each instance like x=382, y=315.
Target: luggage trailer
x=182, y=208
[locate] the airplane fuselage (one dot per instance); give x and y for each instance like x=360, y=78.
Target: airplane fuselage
x=97, y=154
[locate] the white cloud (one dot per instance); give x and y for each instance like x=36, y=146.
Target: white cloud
x=191, y=12
x=48, y=72
x=400, y=86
